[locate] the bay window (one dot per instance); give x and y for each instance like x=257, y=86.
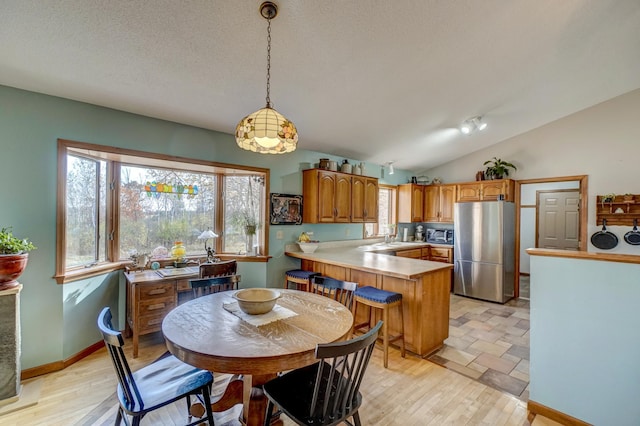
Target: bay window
x=113, y=203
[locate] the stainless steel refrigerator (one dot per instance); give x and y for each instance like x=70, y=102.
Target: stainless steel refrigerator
x=484, y=244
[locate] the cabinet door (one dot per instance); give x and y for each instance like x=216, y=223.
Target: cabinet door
x=371, y=200
x=447, y=201
x=417, y=201
x=431, y=211
x=358, y=196
x=491, y=190
x=469, y=192
x=326, y=197
x=343, y=198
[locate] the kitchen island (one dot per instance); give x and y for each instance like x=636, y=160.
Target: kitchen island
x=424, y=285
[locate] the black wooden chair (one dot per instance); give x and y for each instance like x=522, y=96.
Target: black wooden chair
x=327, y=392
x=218, y=269
x=341, y=291
x=161, y=383
x=204, y=286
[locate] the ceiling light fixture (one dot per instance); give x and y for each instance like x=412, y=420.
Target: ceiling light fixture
x=266, y=131
x=472, y=125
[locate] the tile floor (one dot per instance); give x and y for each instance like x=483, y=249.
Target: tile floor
x=489, y=342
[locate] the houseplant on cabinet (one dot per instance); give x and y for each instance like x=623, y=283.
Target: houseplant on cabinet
x=498, y=169
x=14, y=253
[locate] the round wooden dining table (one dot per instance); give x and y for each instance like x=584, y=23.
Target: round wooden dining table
x=203, y=333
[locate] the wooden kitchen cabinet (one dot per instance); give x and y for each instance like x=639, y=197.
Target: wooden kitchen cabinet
x=410, y=202
x=364, y=196
x=438, y=203
x=330, y=197
x=411, y=253
x=486, y=190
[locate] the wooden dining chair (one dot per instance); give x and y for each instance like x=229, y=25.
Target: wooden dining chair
x=161, y=383
x=327, y=392
x=218, y=269
x=341, y=291
x=204, y=286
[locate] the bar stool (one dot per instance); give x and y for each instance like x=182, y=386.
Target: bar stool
x=301, y=278
x=376, y=298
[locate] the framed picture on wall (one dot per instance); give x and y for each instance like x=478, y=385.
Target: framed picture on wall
x=286, y=209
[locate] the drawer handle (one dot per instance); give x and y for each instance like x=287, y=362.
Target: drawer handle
x=156, y=307
x=158, y=291
x=155, y=321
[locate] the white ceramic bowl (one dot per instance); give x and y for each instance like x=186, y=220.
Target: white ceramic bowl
x=256, y=301
x=308, y=247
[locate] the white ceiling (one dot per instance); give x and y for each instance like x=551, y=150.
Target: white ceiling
x=371, y=80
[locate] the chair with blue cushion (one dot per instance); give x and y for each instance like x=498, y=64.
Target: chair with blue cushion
x=302, y=279
x=159, y=384
x=376, y=298
x=338, y=290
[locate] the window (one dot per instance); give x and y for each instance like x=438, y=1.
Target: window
x=116, y=202
x=387, y=202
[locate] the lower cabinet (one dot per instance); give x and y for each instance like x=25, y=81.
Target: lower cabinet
x=425, y=302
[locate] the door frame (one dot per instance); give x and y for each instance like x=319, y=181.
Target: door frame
x=583, y=188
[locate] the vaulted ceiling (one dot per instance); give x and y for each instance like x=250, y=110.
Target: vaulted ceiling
x=370, y=80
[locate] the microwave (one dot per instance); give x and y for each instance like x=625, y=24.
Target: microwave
x=440, y=236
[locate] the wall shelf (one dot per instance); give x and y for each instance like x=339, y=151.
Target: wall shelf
x=629, y=210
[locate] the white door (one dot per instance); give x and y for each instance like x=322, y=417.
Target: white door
x=558, y=224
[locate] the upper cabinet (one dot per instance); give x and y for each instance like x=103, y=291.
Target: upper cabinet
x=410, y=202
x=438, y=203
x=335, y=197
x=426, y=203
x=485, y=190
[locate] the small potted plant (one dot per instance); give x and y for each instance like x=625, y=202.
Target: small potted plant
x=497, y=168
x=14, y=253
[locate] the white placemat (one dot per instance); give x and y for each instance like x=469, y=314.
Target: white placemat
x=277, y=313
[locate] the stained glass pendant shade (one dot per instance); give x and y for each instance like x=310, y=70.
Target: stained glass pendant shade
x=266, y=131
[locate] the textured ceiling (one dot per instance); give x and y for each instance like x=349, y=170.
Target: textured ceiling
x=370, y=80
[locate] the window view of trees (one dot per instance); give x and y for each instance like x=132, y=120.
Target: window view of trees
x=156, y=209
x=159, y=202
x=85, y=210
x=386, y=212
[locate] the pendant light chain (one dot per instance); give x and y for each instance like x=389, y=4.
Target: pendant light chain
x=268, y=62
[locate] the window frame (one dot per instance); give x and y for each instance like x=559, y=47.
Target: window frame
x=393, y=211
x=115, y=158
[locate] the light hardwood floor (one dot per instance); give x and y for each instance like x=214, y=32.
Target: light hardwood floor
x=412, y=391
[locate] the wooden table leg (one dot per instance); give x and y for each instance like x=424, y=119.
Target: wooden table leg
x=255, y=402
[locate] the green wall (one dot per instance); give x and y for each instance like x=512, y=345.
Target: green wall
x=58, y=320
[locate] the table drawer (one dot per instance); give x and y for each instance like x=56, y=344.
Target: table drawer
x=152, y=291
x=439, y=259
x=156, y=305
x=183, y=285
x=150, y=323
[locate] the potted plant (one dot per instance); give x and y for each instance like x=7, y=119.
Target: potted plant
x=497, y=168
x=14, y=253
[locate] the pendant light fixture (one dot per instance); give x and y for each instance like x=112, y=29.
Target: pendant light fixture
x=267, y=131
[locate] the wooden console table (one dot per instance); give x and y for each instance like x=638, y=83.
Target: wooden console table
x=150, y=296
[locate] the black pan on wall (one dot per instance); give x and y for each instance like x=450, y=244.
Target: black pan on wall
x=633, y=237
x=604, y=239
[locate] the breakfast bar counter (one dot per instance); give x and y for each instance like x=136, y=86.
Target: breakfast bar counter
x=424, y=285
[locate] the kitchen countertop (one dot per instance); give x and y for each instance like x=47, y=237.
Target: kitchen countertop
x=365, y=258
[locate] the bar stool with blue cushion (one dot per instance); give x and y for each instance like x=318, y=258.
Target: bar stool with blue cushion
x=376, y=298
x=300, y=278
